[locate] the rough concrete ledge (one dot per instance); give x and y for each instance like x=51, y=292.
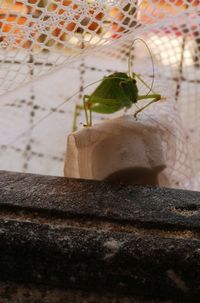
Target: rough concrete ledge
x=98, y=238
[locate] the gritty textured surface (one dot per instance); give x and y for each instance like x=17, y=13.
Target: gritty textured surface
x=149, y=207
x=10, y=293
x=99, y=237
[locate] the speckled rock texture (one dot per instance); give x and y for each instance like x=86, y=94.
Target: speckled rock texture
x=10, y=293
x=93, y=238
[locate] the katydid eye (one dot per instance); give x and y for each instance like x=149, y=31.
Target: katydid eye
x=134, y=81
x=122, y=84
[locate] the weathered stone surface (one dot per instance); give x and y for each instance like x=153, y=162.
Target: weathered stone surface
x=149, y=207
x=10, y=293
x=100, y=237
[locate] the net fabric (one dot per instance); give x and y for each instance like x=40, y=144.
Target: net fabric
x=37, y=37
x=56, y=31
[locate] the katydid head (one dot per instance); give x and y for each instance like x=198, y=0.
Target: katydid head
x=128, y=87
x=131, y=90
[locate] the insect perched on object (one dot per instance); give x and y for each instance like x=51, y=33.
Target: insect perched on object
x=115, y=92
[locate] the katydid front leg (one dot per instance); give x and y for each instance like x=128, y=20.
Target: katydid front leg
x=156, y=97
x=143, y=82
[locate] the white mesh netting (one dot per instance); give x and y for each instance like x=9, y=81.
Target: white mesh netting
x=74, y=43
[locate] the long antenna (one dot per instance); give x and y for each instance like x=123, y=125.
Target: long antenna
x=51, y=113
x=130, y=64
x=48, y=115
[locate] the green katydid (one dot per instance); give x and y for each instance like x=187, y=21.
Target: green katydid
x=115, y=92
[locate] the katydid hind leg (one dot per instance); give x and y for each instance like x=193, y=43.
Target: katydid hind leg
x=85, y=105
x=77, y=110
